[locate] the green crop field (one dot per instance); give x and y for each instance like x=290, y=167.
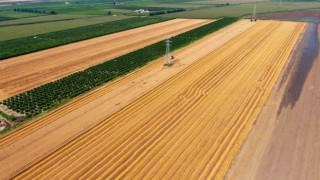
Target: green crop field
x=180, y=5
x=120, y=10
x=73, y=15
x=10, y=32
x=210, y=2
x=6, y=18
x=89, y=12
x=78, y=7
x=244, y=9
x=15, y=47
x=13, y=14
x=98, y=7
x=42, y=19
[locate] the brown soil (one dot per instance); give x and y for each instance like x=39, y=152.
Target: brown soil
x=284, y=144
x=29, y=71
x=305, y=15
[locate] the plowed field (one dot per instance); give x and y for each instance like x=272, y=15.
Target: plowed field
x=29, y=71
x=192, y=125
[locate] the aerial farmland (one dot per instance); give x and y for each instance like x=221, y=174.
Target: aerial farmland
x=160, y=90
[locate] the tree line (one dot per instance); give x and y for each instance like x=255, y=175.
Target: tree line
x=166, y=12
x=37, y=11
x=53, y=94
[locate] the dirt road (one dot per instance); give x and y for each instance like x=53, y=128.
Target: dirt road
x=191, y=126
x=29, y=71
x=284, y=144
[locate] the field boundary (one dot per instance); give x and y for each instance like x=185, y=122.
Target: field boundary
x=21, y=46
x=84, y=81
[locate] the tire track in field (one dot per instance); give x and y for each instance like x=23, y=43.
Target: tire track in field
x=41, y=67
x=27, y=150
x=191, y=126
x=51, y=117
x=79, y=102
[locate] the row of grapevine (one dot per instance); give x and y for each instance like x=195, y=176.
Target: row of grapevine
x=166, y=11
x=37, y=22
x=48, y=96
x=30, y=44
x=3, y=18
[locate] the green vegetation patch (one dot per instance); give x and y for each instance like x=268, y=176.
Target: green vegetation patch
x=53, y=94
x=180, y=5
x=42, y=19
x=243, y=9
x=6, y=116
x=30, y=44
x=31, y=29
x=6, y=18
x=12, y=14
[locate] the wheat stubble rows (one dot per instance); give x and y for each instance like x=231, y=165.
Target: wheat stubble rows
x=192, y=125
x=153, y=70
x=39, y=68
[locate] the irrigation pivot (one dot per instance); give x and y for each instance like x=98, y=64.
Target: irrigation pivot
x=169, y=57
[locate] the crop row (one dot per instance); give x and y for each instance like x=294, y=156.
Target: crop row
x=48, y=96
x=37, y=22
x=2, y=18
x=30, y=44
x=166, y=12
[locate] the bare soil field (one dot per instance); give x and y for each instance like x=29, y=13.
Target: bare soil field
x=284, y=144
x=305, y=15
x=190, y=126
x=29, y=71
x=38, y=138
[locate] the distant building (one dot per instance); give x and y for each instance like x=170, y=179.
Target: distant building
x=119, y=3
x=141, y=11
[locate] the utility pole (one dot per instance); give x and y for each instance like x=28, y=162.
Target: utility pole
x=168, y=60
x=254, y=14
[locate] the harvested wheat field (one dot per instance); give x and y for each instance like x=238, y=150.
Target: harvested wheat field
x=41, y=136
x=284, y=144
x=26, y=72
x=191, y=126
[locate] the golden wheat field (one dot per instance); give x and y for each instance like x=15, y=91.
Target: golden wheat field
x=35, y=140
x=191, y=126
x=39, y=68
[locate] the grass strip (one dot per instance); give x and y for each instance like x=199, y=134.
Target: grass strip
x=6, y=116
